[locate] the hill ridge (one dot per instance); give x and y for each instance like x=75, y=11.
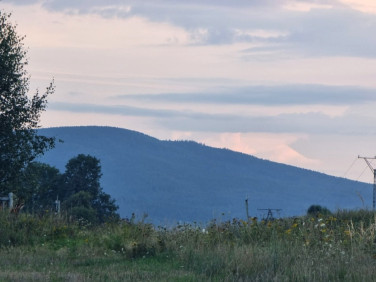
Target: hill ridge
x=188, y=181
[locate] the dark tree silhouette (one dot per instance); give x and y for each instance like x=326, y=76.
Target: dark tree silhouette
x=39, y=187
x=20, y=143
x=83, y=193
x=315, y=210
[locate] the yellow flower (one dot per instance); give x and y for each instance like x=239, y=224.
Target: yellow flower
x=288, y=231
x=294, y=225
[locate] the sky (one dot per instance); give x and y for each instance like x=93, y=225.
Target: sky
x=291, y=81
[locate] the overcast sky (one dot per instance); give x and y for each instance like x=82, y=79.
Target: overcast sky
x=291, y=81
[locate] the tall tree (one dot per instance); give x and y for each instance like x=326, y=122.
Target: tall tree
x=20, y=143
x=84, y=196
x=39, y=187
x=83, y=173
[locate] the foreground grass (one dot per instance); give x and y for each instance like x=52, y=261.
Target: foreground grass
x=332, y=248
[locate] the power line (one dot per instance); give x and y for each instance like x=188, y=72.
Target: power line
x=347, y=171
x=365, y=168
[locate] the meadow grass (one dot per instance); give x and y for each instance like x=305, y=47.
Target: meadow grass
x=338, y=247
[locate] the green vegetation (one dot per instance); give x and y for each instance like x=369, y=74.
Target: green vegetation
x=339, y=247
x=19, y=115
x=38, y=185
x=78, y=190
x=315, y=210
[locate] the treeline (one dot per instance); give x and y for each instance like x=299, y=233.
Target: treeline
x=78, y=189
x=37, y=186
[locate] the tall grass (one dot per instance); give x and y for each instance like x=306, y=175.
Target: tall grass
x=339, y=247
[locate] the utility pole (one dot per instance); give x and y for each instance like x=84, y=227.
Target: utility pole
x=374, y=177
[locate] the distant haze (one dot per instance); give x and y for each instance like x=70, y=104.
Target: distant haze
x=291, y=81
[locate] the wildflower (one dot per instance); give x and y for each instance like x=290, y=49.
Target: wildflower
x=294, y=225
x=288, y=231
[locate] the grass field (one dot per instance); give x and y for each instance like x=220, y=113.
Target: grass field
x=338, y=247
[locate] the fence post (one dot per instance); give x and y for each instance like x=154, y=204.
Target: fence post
x=10, y=203
x=57, y=206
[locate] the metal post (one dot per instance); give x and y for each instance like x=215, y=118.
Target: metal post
x=374, y=177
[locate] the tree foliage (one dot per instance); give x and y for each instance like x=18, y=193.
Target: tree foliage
x=78, y=190
x=82, y=190
x=20, y=143
x=82, y=173
x=315, y=210
x=39, y=186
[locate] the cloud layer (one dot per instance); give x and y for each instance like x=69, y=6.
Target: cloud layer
x=286, y=80
x=269, y=96
x=305, y=28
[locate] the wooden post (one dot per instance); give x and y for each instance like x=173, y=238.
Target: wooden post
x=246, y=208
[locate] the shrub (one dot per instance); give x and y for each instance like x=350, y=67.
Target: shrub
x=315, y=210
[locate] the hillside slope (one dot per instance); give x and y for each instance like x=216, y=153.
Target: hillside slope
x=187, y=181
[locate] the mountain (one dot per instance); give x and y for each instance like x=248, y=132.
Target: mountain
x=185, y=181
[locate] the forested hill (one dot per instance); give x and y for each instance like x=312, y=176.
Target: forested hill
x=186, y=181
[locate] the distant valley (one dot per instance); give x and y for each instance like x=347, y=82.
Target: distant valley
x=185, y=181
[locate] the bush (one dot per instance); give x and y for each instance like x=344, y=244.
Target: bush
x=315, y=210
